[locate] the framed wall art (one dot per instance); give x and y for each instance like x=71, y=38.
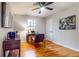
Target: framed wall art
x=68, y=23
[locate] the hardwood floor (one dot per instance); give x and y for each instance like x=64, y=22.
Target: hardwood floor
x=50, y=50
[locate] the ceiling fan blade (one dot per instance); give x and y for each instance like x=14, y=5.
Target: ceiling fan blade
x=48, y=3
x=39, y=11
x=35, y=8
x=49, y=8
x=36, y=3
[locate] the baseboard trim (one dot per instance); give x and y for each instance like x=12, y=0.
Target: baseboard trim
x=66, y=46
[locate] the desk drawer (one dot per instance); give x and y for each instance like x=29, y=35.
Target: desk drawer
x=12, y=44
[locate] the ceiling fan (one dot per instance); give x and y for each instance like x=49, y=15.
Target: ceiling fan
x=42, y=6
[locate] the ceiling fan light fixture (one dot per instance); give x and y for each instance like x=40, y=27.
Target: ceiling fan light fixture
x=42, y=8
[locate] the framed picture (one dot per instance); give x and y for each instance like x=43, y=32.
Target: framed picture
x=68, y=23
x=6, y=17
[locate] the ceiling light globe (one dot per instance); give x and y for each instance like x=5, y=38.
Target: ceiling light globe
x=42, y=8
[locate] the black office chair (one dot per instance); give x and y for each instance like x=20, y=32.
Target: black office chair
x=39, y=38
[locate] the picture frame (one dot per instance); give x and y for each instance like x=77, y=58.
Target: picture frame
x=68, y=23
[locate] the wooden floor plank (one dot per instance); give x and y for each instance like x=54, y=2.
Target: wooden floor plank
x=50, y=50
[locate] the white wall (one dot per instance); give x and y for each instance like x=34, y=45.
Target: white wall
x=20, y=22
x=3, y=33
x=67, y=38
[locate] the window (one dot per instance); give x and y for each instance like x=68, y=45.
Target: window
x=31, y=25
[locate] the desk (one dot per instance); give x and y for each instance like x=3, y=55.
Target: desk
x=35, y=38
x=31, y=38
x=9, y=45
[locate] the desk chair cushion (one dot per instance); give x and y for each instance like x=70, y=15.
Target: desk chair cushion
x=39, y=38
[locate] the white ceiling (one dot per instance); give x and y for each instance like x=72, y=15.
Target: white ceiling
x=25, y=8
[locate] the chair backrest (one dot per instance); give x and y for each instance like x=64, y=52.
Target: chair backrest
x=39, y=38
x=11, y=35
